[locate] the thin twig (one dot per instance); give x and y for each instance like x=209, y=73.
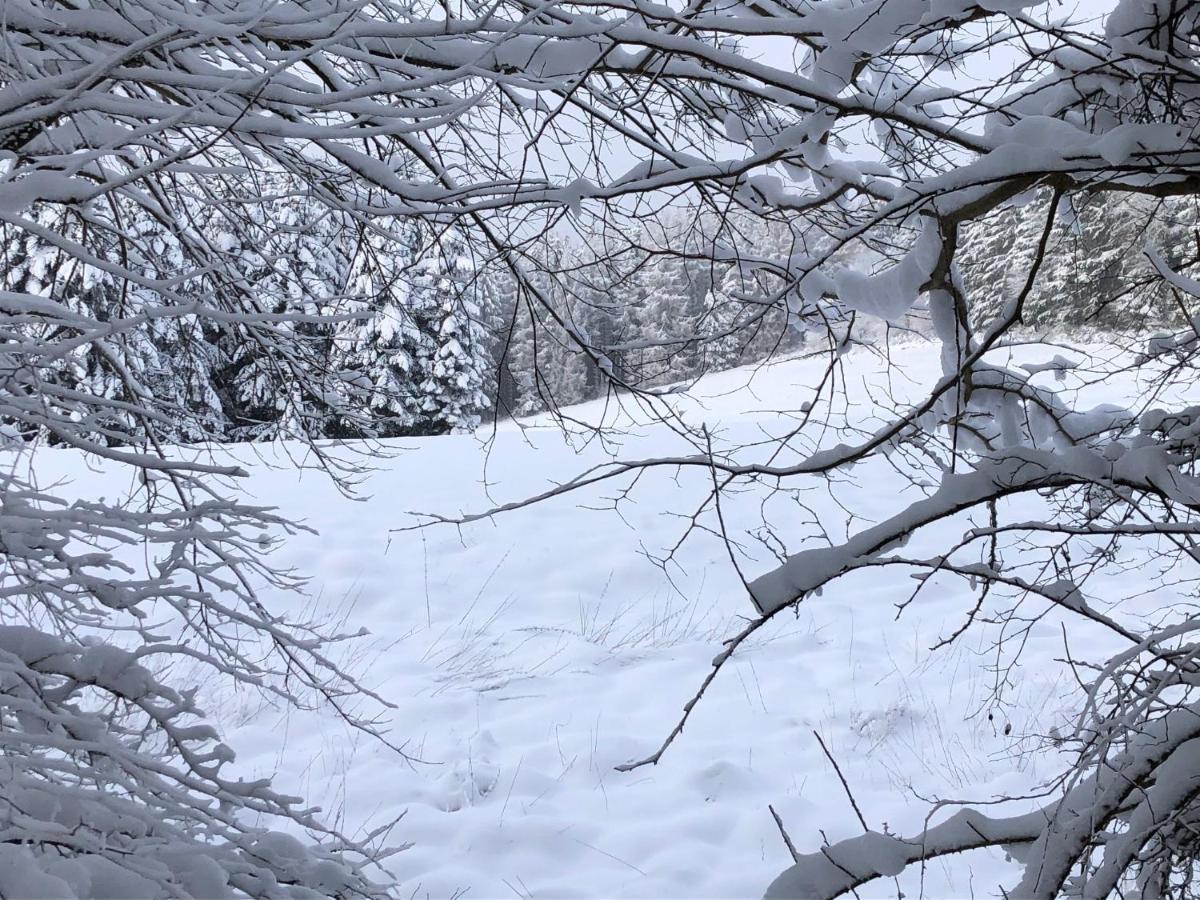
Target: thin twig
x=842, y=778
x=730, y=646
x=783, y=833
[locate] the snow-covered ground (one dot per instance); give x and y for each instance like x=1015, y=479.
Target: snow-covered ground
x=529, y=655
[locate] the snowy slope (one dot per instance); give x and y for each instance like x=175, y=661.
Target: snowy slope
x=530, y=655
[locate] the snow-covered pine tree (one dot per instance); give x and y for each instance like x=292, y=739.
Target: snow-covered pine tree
x=453, y=389
x=721, y=349
x=1095, y=274
x=617, y=293
x=159, y=353
x=1113, y=283
x=747, y=328
x=600, y=310
x=33, y=266
x=1096, y=257
x=498, y=309
x=670, y=320
x=1177, y=239
x=181, y=354
x=538, y=354
x=651, y=317
x=384, y=351
x=994, y=250
x=293, y=259
x=745, y=314
x=567, y=369
x=525, y=335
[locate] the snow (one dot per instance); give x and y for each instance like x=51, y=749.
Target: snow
x=530, y=655
x=891, y=293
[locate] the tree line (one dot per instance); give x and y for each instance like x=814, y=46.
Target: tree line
x=396, y=337
x=420, y=335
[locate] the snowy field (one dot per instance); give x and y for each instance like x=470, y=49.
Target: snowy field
x=530, y=655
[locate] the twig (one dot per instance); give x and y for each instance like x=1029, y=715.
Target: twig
x=730, y=646
x=842, y=778
x=783, y=833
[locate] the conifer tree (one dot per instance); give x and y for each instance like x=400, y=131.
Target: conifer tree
x=671, y=320
x=453, y=390
x=384, y=350
x=147, y=352
x=180, y=352
x=498, y=300
x=294, y=266
x=1095, y=273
